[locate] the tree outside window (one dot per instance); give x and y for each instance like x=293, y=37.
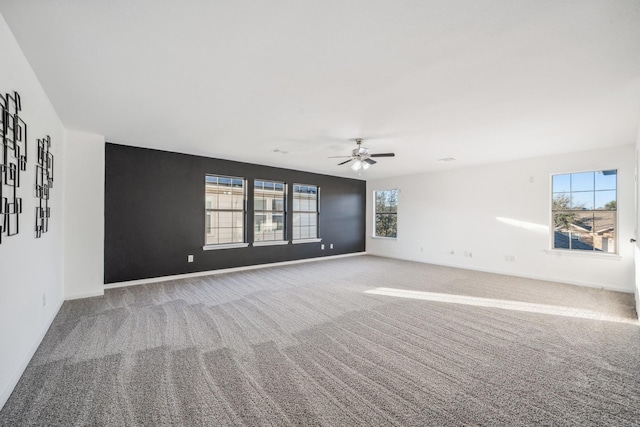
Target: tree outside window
x=386, y=213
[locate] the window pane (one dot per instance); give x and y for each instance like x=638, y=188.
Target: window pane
x=313, y=219
x=305, y=215
x=561, y=240
x=582, y=200
x=238, y=219
x=211, y=199
x=582, y=181
x=278, y=235
x=304, y=204
x=225, y=235
x=225, y=219
x=579, y=223
x=238, y=235
x=606, y=200
x=582, y=231
x=606, y=180
x=561, y=201
x=605, y=232
x=238, y=199
x=224, y=204
x=561, y=183
x=277, y=222
x=225, y=200
x=386, y=225
x=563, y=219
x=386, y=213
x=269, y=198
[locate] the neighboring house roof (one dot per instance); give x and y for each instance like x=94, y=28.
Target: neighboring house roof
x=561, y=241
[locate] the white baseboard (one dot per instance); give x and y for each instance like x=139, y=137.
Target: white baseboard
x=89, y=294
x=4, y=396
x=524, y=276
x=223, y=271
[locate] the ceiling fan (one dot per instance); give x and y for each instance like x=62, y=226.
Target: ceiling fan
x=361, y=158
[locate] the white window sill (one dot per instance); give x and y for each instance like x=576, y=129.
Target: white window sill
x=296, y=242
x=270, y=242
x=583, y=254
x=224, y=246
x=384, y=238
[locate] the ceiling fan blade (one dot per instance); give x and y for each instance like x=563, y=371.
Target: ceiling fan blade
x=346, y=161
x=382, y=155
x=337, y=157
x=371, y=162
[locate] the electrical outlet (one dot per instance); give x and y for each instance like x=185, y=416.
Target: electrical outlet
x=189, y=258
x=322, y=247
x=510, y=258
x=331, y=246
x=421, y=249
x=468, y=254
x=44, y=300
x=452, y=252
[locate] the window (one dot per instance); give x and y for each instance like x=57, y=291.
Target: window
x=584, y=210
x=269, y=202
x=224, y=210
x=305, y=211
x=386, y=213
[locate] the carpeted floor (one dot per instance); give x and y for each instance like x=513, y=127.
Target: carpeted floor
x=355, y=341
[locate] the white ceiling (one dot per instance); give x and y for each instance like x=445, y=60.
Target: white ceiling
x=478, y=80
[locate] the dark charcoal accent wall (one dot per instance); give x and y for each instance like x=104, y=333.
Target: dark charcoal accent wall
x=154, y=214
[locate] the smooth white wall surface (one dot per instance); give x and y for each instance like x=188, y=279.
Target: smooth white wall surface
x=504, y=209
x=84, y=216
x=30, y=268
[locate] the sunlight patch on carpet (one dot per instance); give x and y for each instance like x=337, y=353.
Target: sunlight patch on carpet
x=501, y=304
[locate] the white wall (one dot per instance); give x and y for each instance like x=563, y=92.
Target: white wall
x=30, y=268
x=84, y=216
x=504, y=209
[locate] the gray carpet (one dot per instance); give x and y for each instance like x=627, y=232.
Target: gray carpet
x=354, y=341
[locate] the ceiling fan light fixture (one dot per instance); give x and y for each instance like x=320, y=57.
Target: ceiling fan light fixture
x=365, y=165
x=357, y=165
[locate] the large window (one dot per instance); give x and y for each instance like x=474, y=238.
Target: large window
x=224, y=210
x=584, y=210
x=386, y=213
x=305, y=211
x=269, y=208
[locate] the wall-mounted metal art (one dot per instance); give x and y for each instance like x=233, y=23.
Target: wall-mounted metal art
x=44, y=183
x=13, y=160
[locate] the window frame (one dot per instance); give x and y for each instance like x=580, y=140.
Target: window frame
x=594, y=210
x=316, y=238
x=375, y=214
x=272, y=211
x=227, y=245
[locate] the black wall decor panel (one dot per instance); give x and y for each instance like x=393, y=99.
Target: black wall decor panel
x=155, y=214
x=44, y=184
x=13, y=161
